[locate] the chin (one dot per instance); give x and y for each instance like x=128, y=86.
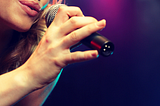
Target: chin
x=23, y=28
x=21, y=24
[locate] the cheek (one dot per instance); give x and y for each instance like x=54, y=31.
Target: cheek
x=18, y=23
x=21, y=24
x=15, y=18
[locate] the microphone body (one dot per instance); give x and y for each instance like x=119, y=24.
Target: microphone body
x=95, y=41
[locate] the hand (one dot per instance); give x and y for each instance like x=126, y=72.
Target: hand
x=69, y=27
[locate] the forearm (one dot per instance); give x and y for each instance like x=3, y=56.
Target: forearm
x=38, y=97
x=14, y=86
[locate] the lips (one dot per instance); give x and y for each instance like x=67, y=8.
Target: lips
x=30, y=7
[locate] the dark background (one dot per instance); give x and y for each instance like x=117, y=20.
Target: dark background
x=131, y=76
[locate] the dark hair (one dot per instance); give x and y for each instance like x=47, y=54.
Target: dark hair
x=22, y=46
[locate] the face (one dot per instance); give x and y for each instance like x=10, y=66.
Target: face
x=20, y=14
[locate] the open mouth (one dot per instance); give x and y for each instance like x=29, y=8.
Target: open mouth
x=32, y=8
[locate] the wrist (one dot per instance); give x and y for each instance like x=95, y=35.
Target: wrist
x=24, y=79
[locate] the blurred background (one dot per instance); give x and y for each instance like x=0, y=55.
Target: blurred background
x=131, y=76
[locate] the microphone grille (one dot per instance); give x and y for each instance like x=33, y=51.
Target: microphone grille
x=51, y=13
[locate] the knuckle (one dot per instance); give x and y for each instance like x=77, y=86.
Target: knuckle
x=93, y=19
x=61, y=9
x=58, y=63
x=73, y=21
x=65, y=41
x=89, y=29
x=78, y=9
x=72, y=58
x=74, y=36
x=80, y=56
x=61, y=30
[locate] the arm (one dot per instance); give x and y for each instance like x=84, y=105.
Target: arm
x=38, y=97
x=34, y=79
x=14, y=86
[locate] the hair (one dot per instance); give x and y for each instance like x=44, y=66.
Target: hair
x=23, y=44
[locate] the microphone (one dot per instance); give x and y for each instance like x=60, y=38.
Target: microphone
x=95, y=41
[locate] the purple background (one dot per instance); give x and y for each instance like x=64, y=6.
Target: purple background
x=131, y=76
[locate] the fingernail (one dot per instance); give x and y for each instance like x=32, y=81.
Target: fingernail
x=101, y=23
x=95, y=54
x=102, y=29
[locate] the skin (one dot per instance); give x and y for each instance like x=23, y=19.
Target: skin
x=36, y=77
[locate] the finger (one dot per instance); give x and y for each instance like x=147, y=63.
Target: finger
x=74, y=23
x=64, y=13
x=79, y=34
x=79, y=56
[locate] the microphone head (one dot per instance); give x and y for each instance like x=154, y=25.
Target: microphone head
x=51, y=13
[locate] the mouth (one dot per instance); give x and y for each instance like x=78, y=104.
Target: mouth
x=30, y=7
